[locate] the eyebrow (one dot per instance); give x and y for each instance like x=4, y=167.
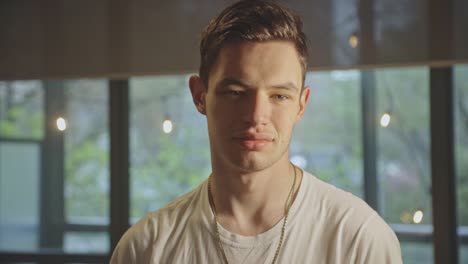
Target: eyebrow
x=286, y=86
x=231, y=81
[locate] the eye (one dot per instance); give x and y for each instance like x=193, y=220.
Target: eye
x=280, y=97
x=233, y=92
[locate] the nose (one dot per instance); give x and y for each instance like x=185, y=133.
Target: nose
x=256, y=109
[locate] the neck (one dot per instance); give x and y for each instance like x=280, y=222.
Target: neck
x=251, y=203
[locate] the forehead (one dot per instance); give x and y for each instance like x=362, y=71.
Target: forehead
x=258, y=63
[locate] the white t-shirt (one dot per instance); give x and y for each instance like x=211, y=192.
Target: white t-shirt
x=325, y=225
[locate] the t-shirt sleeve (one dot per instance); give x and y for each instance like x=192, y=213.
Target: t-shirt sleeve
x=134, y=246
x=377, y=243
x=124, y=252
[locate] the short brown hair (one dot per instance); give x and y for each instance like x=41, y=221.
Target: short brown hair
x=251, y=20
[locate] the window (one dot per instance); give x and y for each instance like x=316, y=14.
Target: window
x=168, y=143
x=21, y=133
x=54, y=176
x=461, y=155
x=86, y=151
x=54, y=137
x=327, y=141
x=170, y=149
x=403, y=156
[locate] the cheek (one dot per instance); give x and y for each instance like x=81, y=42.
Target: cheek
x=222, y=112
x=220, y=117
x=284, y=125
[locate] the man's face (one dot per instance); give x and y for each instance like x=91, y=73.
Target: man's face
x=252, y=103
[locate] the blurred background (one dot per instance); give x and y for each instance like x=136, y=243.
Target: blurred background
x=97, y=125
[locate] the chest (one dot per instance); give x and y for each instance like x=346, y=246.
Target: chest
x=301, y=245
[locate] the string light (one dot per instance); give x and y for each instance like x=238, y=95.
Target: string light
x=385, y=120
x=61, y=124
x=167, y=126
x=418, y=217
x=353, y=40
x=405, y=217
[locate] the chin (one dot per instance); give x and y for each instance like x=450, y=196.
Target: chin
x=240, y=159
x=252, y=163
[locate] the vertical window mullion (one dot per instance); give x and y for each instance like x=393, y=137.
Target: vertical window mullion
x=441, y=36
x=443, y=170
x=52, y=172
x=119, y=159
x=367, y=51
x=369, y=138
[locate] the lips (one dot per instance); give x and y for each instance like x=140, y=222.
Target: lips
x=253, y=141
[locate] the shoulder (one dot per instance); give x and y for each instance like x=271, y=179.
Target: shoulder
x=134, y=244
x=154, y=230
x=363, y=234
x=375, y=242
x=333, y=203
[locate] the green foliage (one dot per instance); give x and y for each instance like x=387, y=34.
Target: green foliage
x=329, y=136
x=167, y=175
x=164, y=166
x=404, y=146
x=85, y=172
x=21, y=123
x=8, y=128
x=176, y=167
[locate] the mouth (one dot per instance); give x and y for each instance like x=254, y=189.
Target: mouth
x=253, y=141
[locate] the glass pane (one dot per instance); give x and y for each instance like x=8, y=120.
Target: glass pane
x=417, y=253
x=403, y=151
x=403, y=144
x=461, y=153
x=463, y=253
x=19, y=196
x=21, y=109
x=87, y=152
x=168, y=142
x=327, y=141
x=86, y=242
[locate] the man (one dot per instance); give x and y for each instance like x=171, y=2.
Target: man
x=257, y=207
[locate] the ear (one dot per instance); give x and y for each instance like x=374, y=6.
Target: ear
x=303, y=101
x=198, y=90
